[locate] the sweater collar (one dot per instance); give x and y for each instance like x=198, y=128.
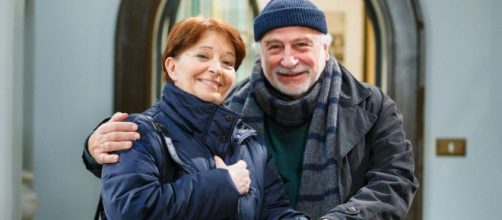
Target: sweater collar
x=210, y=123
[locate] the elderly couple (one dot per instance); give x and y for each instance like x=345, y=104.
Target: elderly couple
x=299, y=134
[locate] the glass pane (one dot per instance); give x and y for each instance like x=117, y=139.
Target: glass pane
x=353, y=37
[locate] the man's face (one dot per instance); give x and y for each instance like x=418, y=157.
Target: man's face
x=293, y=59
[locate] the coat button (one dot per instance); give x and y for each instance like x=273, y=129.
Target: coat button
x=352, y=210
x=221, y=139
x=229, y=118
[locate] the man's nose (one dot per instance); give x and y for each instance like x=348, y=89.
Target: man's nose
x=289, y=58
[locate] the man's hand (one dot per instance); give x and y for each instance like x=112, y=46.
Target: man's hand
x=238, y=172
x=111, y=136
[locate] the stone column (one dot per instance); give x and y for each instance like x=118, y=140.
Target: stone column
x=11, y=72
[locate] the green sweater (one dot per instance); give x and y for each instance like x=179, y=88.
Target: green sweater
x=287, y=144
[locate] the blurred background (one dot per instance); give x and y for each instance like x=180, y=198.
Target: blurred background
x=65, y=65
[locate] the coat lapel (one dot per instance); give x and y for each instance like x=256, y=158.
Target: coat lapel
x=353, y=124
x=353, y=120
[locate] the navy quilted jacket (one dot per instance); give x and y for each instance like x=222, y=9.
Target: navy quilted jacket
x=132, y=188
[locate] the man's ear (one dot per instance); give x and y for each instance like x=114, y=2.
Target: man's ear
x=326, y=52
x=170, y=65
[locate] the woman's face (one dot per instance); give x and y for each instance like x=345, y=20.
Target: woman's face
x=206, y=69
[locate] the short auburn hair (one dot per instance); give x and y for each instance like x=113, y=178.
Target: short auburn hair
x=187, y=32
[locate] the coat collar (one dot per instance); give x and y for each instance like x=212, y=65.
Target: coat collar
x=354, y=120
x=353, y=92
x=210, y=123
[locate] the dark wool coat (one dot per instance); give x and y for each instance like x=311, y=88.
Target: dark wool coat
x=374, y=158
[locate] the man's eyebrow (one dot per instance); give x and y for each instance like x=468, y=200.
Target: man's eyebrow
x=303, y=39
x=267, y=42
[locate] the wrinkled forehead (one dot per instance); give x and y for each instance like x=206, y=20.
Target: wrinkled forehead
x=292, y=33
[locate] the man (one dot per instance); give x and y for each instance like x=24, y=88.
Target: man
x=338, y=144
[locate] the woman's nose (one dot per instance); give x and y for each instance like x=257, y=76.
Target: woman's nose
x=215, y=67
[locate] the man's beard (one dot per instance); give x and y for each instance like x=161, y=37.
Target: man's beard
x=294, y=90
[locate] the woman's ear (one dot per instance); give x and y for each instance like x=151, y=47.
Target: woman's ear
x=170, y=65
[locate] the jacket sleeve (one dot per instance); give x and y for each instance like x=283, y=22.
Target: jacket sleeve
x=131, y=188
x=390, y=184
x=275, y=203
x=90, y=164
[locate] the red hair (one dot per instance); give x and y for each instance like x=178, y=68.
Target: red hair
x=185, y=33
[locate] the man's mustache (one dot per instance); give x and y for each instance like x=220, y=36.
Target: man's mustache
x=292, y=71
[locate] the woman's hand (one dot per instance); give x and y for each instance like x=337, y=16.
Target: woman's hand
x=238, y=172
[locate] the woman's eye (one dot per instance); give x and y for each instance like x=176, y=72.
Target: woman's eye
x=228, y=64
x=202, y=56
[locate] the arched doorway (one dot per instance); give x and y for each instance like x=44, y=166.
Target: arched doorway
x=400, y=43
x=399, y=31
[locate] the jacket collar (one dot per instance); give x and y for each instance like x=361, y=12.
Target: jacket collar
x=211, y=124
x=354, y=121
x=353, y=92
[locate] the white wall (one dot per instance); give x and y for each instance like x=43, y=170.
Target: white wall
x=11, y=44
x=6, y=110
x=463, y=99
x=73, y=73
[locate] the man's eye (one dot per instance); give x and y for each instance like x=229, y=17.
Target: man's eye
x=273, y=47
x=303, y=45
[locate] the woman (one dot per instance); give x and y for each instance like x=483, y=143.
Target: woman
x=200, y=60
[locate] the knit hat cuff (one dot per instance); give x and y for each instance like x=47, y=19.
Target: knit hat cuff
x=305, y=17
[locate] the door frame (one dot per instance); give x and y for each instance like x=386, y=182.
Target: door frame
x=400, y=46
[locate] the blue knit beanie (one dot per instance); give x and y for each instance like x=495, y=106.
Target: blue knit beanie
x=284, y=13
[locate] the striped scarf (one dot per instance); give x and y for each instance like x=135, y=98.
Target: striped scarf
x=318, y=192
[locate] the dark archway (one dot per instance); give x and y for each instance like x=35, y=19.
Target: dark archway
x=400, y=46
x=399, y=31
